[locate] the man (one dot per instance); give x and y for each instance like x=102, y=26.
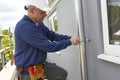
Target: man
x=33, y=40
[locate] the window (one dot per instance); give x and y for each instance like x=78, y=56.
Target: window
x=52, y=17
x=53, y=22
x=111, y=26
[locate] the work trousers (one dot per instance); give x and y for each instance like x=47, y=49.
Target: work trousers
x=52, y=72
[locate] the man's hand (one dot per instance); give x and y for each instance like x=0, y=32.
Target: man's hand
x=75, y=40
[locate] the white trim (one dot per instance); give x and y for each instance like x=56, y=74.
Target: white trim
x=109, y=58
x=51, y=21
x=54, y=3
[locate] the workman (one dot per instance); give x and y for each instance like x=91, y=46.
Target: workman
x=33, y=40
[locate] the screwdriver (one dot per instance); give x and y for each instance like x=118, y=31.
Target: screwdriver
x=87, y=40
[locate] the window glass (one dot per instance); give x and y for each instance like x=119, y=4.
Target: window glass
x=55, y=20
x=114, y=21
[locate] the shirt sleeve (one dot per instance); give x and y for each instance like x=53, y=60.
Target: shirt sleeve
x=35, y=38
x=55, y=36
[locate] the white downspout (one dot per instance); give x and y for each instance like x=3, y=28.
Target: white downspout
x=81, y=34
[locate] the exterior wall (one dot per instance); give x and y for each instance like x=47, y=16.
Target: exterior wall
x=68, y=58
x=97, y=69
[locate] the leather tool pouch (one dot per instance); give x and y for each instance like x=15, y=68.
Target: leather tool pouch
x=36, y=72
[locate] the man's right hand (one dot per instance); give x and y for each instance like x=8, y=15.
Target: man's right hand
x=75, y=40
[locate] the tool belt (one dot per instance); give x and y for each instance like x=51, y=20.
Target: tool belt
x=35, y=72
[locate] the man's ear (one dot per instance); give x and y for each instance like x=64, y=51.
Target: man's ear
x=31, y=9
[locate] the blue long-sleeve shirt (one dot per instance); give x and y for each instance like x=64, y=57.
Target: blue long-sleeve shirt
x=34, y=40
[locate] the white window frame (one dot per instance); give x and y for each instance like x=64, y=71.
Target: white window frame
x=111, y=52
x=54, y=3
x=51, y=20
x=51, y=16
x=108, y=48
